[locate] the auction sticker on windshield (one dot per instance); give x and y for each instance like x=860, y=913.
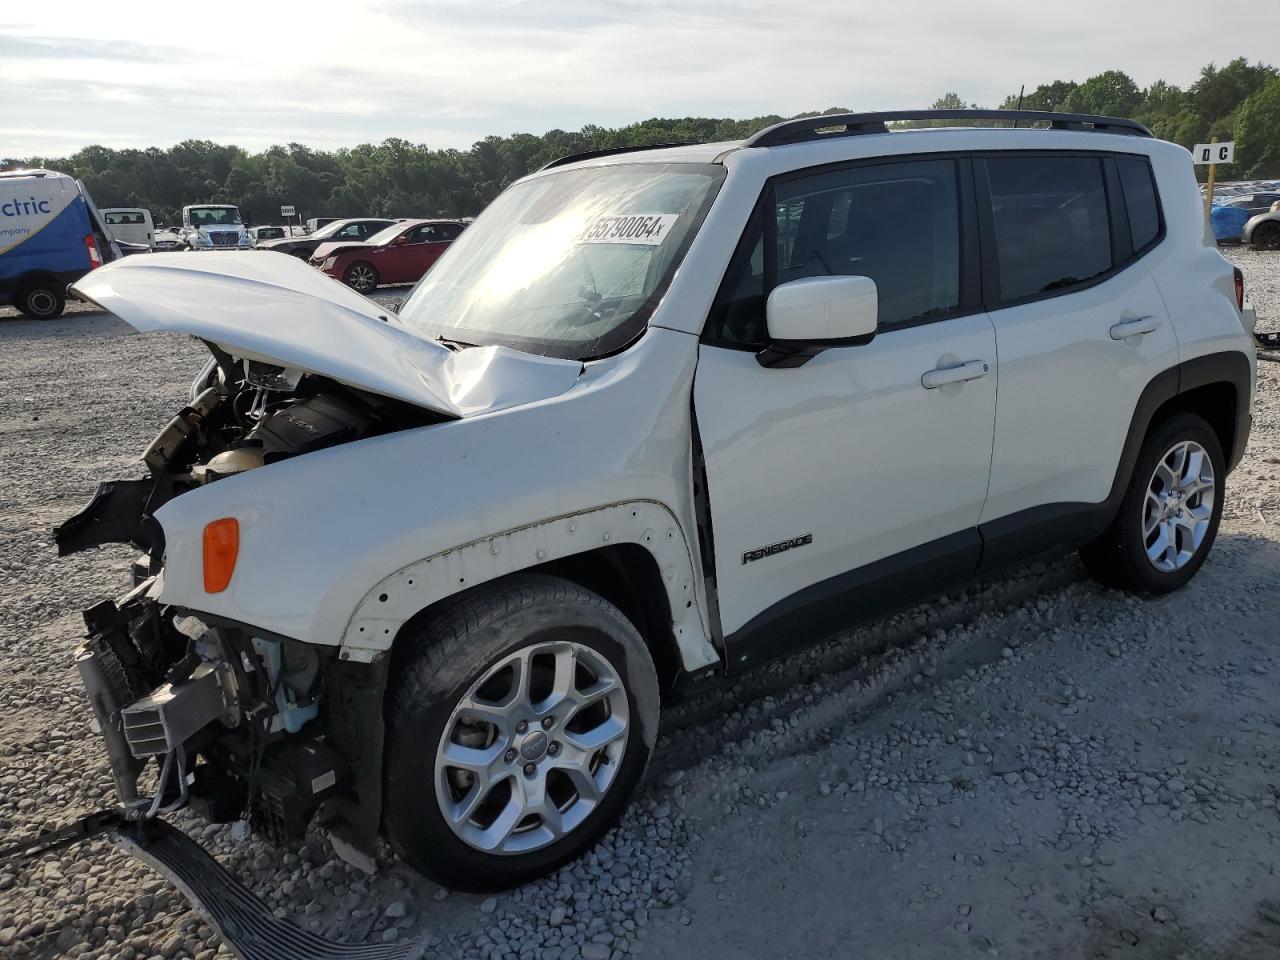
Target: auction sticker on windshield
x=647, y=228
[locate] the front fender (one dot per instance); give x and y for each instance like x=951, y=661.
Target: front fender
x=323, y=536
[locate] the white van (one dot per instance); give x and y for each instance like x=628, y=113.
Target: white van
x=131, y=224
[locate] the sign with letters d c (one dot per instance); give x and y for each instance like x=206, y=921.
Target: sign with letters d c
x=1214, y=152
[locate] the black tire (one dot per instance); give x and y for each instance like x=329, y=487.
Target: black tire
x=1266, y=235
x=1119, y=557
x=450, y=653
x=361, y=276
x=43, y=300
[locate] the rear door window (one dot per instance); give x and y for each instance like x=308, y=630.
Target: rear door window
x=1051, y=225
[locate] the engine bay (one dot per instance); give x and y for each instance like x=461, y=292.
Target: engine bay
x=242, y=415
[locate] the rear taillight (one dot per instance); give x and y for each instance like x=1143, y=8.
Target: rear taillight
x=1239, y=288
x=95, y=257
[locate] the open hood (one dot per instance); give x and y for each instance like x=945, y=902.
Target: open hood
x=331, y=247
x=279, y=310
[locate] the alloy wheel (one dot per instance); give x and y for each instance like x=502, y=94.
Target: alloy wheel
x=361, y=277
x=532, y=747
x=1178, y=507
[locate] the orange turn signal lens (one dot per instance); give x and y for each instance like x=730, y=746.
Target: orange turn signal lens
x=221, y=547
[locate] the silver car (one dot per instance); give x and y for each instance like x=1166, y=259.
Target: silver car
x=1263, y=230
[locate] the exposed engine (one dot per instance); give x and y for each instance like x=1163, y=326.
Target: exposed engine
x=242, y=415
x=234, y=723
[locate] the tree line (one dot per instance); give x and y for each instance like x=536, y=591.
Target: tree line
x=396, y=178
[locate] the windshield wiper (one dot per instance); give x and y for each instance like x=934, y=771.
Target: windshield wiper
x=454, y=345
x=1059, y=284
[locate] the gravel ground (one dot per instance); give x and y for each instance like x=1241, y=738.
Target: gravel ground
x=1033, y=767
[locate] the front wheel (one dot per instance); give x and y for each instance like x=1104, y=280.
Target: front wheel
x=361, y=276
x=522, y=720
x=1169, y=517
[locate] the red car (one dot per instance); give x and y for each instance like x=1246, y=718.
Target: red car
x=400, y=253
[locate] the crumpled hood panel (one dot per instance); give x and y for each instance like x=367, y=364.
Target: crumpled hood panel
x=277, y=309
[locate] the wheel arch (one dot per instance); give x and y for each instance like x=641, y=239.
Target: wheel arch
x=1215, y=402
x=628, y=576
x=1218, y=387
x=39, y=276
x=633, y=554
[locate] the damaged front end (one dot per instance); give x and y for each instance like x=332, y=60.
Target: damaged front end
x=230, y=720
x=235, y=722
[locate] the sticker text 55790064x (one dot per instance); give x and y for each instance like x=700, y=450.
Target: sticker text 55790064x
x=646, y=228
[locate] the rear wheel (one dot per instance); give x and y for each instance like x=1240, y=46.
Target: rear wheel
x=361, y=276
x=521, y=723
x=1169, y=517
x=1266, y=236
x=41, y=301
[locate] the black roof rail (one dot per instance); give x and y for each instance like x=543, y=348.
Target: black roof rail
x=852, y=124
x=610, y=151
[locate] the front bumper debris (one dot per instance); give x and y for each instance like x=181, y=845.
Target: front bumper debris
x=246, y=924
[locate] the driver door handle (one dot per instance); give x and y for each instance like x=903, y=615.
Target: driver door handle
x=941, y=376
x=1134, y=328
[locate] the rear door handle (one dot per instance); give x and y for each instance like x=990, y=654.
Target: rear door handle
x=941, y=376
x=1134, y=328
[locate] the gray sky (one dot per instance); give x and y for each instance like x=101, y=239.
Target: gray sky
x=448, y=72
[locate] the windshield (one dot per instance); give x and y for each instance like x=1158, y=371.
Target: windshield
x=214, y=216
x=387, y=234
x=329, y=229
x=567, y=265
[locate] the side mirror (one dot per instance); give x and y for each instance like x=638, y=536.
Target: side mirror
x=805, y=317
x=401, y=240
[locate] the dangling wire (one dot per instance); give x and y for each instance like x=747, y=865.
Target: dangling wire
x=160, y=785
x=183, y=787
x=166, y=770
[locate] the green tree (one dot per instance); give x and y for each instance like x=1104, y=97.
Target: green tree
x=1047, y=96
x=1258, y=133
x=1220, y=91
x=1109, y=94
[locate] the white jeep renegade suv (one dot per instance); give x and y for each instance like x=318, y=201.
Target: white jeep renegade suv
x=657, y=415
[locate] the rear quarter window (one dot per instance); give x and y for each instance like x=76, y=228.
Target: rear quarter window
x=1140, y=201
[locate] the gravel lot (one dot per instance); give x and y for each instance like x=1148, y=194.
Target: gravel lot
x=1034, y=768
